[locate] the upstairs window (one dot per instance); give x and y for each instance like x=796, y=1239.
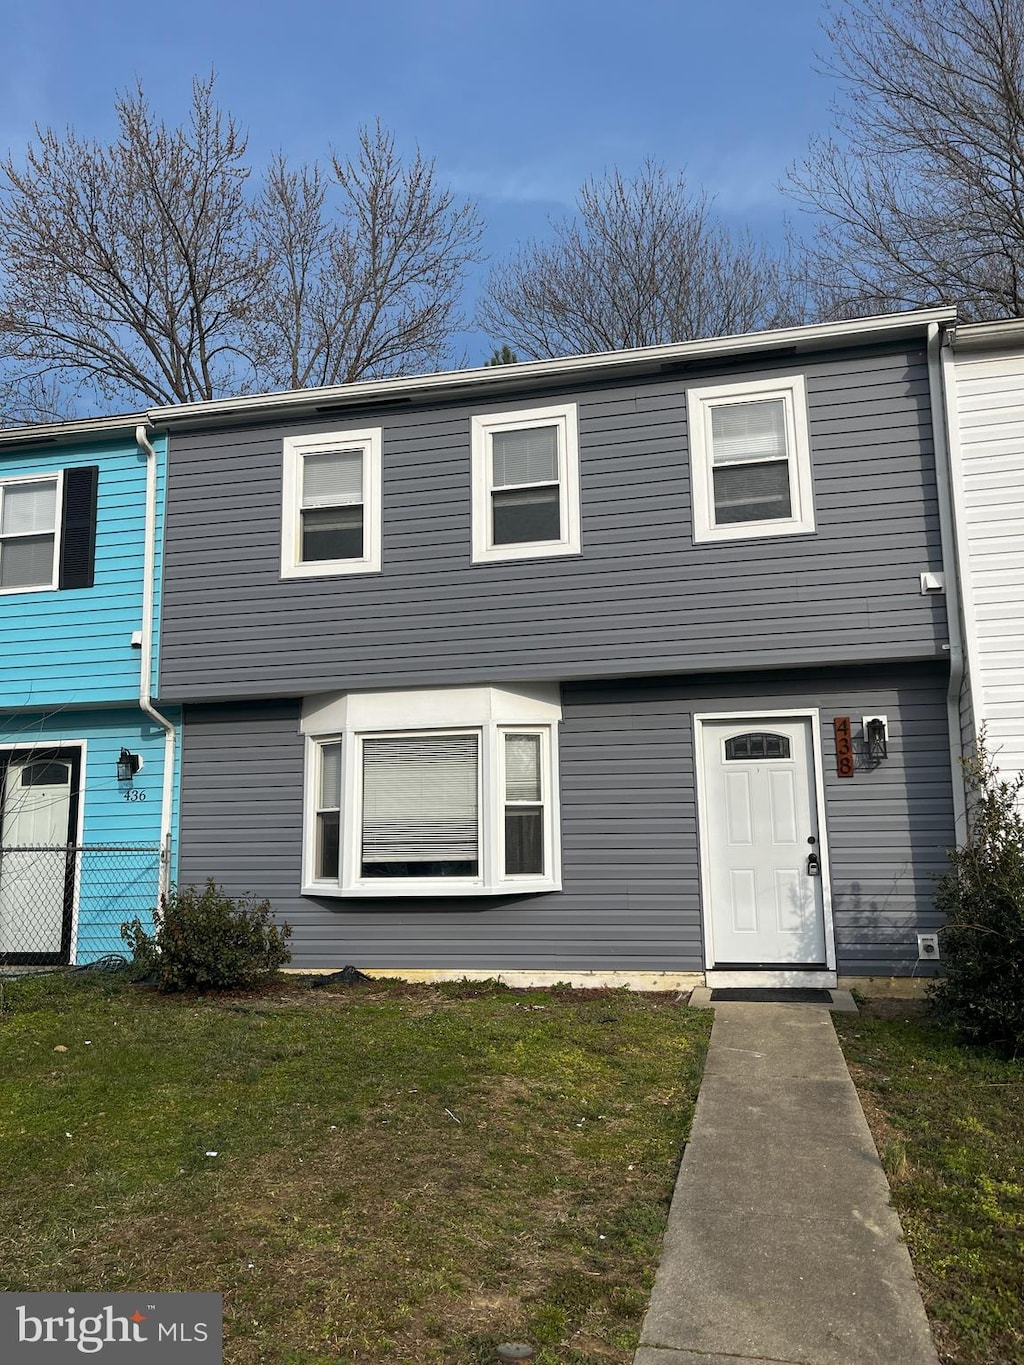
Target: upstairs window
x=332, y=511
x=526, y=484
x=29, y=533
x=750, y=460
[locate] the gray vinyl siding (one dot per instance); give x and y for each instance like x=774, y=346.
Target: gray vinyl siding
x=631, y=892
x=640, y=599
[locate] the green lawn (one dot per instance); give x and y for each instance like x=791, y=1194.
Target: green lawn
x=949, y=1124
x=401, y=1173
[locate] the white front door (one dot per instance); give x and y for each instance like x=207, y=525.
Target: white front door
x=34, y=834
x=762, y=844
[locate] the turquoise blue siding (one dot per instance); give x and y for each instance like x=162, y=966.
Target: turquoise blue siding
x=73, y=648
x=111, y=886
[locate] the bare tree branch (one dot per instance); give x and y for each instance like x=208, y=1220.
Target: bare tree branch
x=371, y=289
x=921, y=190
x=644, y=262
x=144, y=271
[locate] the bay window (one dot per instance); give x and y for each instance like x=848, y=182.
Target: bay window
x=462, y=802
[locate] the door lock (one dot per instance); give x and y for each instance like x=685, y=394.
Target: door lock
x=813, y=865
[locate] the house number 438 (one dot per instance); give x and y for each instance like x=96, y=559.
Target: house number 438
x=133, y=795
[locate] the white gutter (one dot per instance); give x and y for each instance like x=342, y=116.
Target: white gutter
x=79, y=429
x=146, y=664
x=944, y=432
x=884, y=326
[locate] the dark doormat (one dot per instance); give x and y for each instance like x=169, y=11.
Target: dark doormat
x=799, y=995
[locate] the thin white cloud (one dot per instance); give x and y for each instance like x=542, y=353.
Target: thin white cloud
x=518, y=184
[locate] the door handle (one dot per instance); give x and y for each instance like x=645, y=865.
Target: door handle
x=813, y=865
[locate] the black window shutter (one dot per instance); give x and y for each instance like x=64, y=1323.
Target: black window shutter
x=78, y=528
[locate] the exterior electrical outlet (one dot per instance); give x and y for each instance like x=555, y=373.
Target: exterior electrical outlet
x=928, y=947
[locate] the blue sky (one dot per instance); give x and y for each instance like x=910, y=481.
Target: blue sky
x=518, y=102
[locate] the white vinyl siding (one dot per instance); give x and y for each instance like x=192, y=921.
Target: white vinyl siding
x=990, y=399
x=750, y=460
x=525, y=484
x=331, y=513
x=29, y=533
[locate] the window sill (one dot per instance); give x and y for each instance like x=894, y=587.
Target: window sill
x=536, y=549
x=38, y=587
x=330, y=568
x=441, y=888
x=753, y=530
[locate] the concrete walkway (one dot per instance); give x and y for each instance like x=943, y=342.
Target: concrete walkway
x=781, y=1243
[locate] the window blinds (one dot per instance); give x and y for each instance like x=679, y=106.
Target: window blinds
x=522, y=768
x=28, y=508
x=26, y=563
x=752, y=492
x=748, y=431
x=420, y=799
x=526, y=456
x=332, y=478
x=330, y=776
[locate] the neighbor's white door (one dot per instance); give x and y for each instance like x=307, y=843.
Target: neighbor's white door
x=33, y=855
x=767, y=904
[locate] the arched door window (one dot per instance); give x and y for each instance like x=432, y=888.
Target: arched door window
x=757, y=744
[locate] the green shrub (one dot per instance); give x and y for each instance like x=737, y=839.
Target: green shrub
x=982, y=896
x=204, y=939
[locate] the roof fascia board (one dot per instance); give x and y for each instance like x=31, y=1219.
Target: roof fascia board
x=534, y=372
x=58, y=433
x=986, y=336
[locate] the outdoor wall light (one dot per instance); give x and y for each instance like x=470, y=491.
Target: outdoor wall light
x=127, y=766
x=877, y=738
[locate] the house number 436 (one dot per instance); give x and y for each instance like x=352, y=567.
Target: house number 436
x=133, y=795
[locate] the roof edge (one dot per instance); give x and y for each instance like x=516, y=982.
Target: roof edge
x=808, y=337
x=81, y=429
x=979, y=336
x=524, y=373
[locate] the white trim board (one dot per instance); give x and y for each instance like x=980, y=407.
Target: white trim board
x=791, y=391
x=811, y=714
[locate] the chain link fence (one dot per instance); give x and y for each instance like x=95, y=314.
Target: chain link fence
x=66, y=903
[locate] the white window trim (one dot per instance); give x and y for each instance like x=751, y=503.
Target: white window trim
x=483, y=427
x=792, y=390
x=56, y=476
x=295, y=448
x=490, y=713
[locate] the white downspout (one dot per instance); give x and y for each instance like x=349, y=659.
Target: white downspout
x=943, y=432
x=146, y=665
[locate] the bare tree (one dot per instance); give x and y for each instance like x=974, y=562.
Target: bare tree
x=148, y=271
x=644, y=262
x=920, y=191
x=370, y=291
